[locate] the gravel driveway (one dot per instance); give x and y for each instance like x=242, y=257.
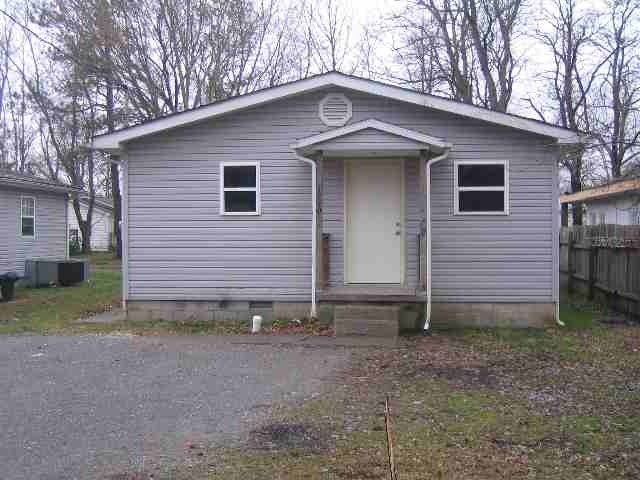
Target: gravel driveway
x=99, y=406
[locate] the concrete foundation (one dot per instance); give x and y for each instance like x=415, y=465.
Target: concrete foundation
x=513, y=315
x=410, y=317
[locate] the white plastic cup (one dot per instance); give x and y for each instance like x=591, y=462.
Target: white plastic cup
x=256, y=324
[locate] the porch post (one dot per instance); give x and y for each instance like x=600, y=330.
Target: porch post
x=424, y=188
x=320, y=273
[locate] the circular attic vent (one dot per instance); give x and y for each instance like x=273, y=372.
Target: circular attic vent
x=335, y=110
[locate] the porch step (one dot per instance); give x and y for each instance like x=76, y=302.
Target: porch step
x=381, y=321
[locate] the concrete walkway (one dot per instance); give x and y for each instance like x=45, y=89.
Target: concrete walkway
x=112, y=316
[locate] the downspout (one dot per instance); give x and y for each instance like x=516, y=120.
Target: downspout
x=314, y=229
x=444, y=155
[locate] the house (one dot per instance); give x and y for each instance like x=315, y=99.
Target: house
x=33, y=220
x=345, y=198
x=101, y=222
x=615, y=203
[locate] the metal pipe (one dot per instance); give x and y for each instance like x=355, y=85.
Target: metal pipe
x=314, y=230
x=558, y=321
x=429, y=163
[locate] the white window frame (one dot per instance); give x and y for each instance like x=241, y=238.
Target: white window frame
x=457, y=189
x=22, y=215
x=256, y=189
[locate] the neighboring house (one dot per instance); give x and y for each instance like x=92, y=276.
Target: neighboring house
x=336, y=193
x=101, y=222
x=616, y=203
x=33, y=220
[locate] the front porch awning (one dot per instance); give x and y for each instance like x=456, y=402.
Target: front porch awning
x=370, y=138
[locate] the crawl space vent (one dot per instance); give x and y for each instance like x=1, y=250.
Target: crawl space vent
x=335, y=110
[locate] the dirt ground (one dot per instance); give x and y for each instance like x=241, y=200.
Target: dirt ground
x=552, y=404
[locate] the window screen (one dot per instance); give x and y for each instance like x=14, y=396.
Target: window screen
x=240, y=189
x=481, y=188
x=28, y=216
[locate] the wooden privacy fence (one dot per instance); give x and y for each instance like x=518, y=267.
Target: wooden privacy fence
x=603, y=261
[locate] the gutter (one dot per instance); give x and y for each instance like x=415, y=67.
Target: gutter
x=429, y=163
x=314, y=229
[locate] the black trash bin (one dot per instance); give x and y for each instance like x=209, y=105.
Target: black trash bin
x=8, y=286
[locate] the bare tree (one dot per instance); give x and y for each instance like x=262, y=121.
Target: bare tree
x=6, y=45
x=617, y=102
x=492, y=24
x=61, y=95
x=568, y=33
x=462, y=48
x=437, y=53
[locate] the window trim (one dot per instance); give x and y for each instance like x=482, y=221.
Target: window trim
x=457, y=189
x=256, y=189
x=22, y=215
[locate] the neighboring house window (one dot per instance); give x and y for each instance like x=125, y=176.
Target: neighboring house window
x=240, y=188
x=74, y=236
x=603, y=218
x=634, y=216
x=481, y=188
x=28, y=216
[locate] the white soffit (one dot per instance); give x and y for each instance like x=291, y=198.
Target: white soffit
x=113, y=141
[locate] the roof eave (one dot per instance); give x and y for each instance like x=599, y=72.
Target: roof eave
x=34, y=185
x=423, y=141
x=113, y=142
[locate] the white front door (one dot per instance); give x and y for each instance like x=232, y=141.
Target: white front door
x=374, y=221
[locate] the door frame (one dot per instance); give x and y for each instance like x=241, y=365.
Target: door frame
x=346, y=223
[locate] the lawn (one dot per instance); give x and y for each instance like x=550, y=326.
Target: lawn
x=476, y=404
x=55, y=309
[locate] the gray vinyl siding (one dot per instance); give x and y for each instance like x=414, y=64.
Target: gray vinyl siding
x=180, y=247
x=101, y=226
x=50, y=228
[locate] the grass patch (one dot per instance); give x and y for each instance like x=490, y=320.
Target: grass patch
x=576, y=312
x=102, y=260
x=54, y=309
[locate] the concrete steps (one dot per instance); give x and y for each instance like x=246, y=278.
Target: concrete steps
x=367, y=320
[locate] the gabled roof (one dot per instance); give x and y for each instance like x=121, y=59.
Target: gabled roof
x=113, y=141
x=30, y=182
x=102, y=202
x=603, y=191
x=421, y=140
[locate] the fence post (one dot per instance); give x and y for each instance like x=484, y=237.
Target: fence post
x=593, y=269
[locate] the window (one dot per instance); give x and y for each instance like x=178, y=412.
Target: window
x=240, y=188
x=634, y=216
x=28, y=216
x=603, y=218
x=74, y=235
x=481, y=188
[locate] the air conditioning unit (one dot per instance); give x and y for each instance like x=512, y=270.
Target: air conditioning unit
x=42, y=272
